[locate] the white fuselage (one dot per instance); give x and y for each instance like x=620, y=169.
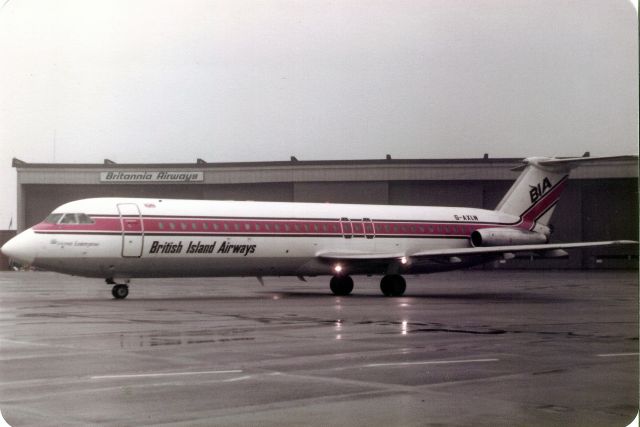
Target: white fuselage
x=134, y=237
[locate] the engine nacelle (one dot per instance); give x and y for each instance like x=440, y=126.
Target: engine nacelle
x=506, y=237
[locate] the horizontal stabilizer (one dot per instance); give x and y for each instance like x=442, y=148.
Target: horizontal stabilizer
x=568, y=163
x=577, y=161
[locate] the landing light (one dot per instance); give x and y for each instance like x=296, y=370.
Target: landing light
x=337, y=268
x=403, y=260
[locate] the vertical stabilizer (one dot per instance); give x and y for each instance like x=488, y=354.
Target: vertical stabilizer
x=537, y=190
x=535, y=193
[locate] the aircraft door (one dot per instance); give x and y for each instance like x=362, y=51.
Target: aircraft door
x=357, y=226
x=132, y=229
x=369, y=230
x=347, y=230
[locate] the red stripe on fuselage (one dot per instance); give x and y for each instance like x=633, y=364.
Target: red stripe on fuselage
x=271, y=227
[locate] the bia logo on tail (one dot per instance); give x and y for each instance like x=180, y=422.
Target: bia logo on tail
x=539, y=189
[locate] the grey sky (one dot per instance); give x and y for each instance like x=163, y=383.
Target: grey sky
x=169, y=81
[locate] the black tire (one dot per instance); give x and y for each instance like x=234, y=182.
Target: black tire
x=120, y=291
x=393, y=285
x=341, y=285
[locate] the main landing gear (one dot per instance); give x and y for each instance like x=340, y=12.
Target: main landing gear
x=119, y=290
x=391, y=285
x=341, y=285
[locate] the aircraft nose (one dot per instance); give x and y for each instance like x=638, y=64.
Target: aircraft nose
x=20, y=248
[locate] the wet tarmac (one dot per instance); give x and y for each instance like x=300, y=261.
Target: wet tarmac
x=461, y=348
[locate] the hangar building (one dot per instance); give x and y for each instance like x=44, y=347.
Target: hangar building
x=599, y=203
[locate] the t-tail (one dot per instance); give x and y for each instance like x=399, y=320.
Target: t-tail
x=534, y=195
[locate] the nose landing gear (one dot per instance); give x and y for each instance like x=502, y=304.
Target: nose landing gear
x=119, y=290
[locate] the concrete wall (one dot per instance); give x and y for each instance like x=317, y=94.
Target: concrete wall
x=341, y=192
x=267, y=192
x=436, y=193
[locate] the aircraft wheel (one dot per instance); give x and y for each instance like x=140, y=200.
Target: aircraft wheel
x=393, y=285
x=341, y=285
x=120, y=291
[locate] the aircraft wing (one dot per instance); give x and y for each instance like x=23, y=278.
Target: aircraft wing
x=483, y=250
x=518, y=248
x=360, y=256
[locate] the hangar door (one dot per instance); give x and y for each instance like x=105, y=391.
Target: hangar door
x=132, y=229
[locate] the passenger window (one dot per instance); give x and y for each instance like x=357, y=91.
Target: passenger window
x=306, y=227
x=247, y=227
x=431, y=229
x=286, y=227
x=325, y=228
x=183, y=225
x=257, y=227
x=172, y=226
x=226, y=226
x=421, y=228
x=315, y=228
x=267, y=227
x=236, y=226
x=161, y=225
x=296, y=226
x=194, y=226
x=277, y=227
x=413, y=228
x=205, y=225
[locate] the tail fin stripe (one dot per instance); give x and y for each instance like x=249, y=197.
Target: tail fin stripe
x=532, y=223
x=546, y=202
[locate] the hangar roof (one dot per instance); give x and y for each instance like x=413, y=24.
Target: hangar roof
x=314, y=170
x=199, y=164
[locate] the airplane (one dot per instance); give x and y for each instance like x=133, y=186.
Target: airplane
x=118, y=239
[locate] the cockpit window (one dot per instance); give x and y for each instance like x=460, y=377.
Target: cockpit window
x=53, y=218
x=76, y=218
x=84, y=219
x=69, y=219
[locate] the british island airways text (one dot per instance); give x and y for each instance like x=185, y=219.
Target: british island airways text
x=201, y=248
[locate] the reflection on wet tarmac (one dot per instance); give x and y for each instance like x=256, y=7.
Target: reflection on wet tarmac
x=170, y=339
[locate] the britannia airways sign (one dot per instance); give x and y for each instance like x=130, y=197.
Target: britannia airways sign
x=150, y=176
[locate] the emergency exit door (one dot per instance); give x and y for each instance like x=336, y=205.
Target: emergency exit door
x=132, y=229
